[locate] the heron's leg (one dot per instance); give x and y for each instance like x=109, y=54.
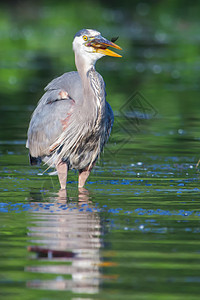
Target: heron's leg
x=83, y=175
x=62, y=169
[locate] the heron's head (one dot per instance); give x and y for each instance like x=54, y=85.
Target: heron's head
x=91, y=45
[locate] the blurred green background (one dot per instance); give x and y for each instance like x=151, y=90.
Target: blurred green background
x=150, y=167
x=160, y=41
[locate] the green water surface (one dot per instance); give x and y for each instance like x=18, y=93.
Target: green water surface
x=134, y=232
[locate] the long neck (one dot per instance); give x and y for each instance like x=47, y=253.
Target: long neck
x=83, y=67
x=93, y=86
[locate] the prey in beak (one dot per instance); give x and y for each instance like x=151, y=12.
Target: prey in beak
x=100, y=45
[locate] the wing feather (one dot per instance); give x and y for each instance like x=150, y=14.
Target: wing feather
x=56, y=104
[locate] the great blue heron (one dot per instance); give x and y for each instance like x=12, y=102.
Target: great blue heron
x=73, y=120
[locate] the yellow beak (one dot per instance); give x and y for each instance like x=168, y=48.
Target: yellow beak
x=108, y=52
x=101, y=44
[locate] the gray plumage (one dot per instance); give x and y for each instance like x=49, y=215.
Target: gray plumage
x=73, y=120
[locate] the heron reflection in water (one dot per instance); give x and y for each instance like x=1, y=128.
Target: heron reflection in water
x=72, y=121
x=69, y=236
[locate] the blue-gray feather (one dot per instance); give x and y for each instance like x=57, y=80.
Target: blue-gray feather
x=46, y=131
x=72, y=120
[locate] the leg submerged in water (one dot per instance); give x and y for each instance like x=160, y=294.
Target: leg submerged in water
x=62, y=169
x=83, y=175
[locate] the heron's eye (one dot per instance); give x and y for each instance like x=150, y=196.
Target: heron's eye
x=85, y=38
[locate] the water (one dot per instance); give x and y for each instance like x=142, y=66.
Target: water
x=133, y=233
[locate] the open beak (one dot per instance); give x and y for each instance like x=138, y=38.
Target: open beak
x=101, y=45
